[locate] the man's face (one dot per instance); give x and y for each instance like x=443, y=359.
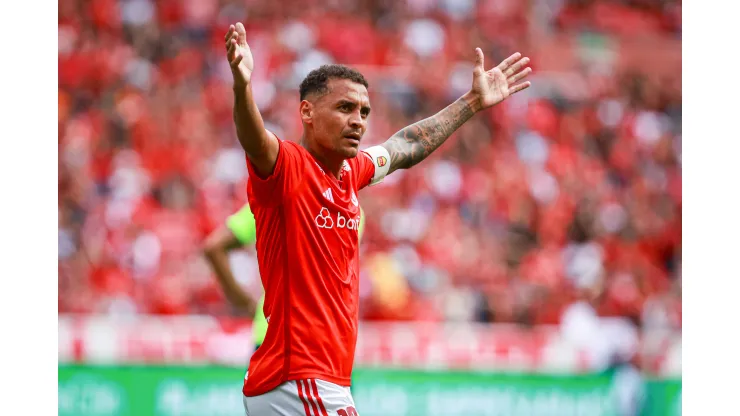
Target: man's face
x=339, y=118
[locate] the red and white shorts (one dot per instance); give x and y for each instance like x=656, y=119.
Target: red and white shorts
x=309, y=397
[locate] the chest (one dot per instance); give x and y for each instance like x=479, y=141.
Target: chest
x=329, y=206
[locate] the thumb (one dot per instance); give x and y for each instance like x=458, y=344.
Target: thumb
x=242, y=33
x=478, y=69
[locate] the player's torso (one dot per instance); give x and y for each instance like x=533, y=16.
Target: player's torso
x=313, y=307
x=326, y=212
x=323, y=234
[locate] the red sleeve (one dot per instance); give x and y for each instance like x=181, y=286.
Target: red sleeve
x=365, y=169
x=285, y=177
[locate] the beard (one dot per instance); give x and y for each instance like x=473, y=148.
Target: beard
x=344, y=148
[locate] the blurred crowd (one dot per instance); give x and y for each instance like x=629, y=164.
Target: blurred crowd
x=570, y=191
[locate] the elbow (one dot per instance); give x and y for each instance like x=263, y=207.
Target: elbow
x=258, y=144
x=211, y=247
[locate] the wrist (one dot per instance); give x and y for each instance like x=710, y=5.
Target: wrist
x=239, y=85
x=472, y=100
x=240, y=82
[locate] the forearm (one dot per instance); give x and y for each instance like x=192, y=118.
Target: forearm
x=234, y=293
x=250, y=127
x=414, y=143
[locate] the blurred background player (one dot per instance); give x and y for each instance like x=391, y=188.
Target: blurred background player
x=238, y=232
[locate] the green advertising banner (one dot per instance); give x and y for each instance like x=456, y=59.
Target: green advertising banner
x=216, y=391
x=405, y=393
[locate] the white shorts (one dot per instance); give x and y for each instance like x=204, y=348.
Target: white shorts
x=303, y=398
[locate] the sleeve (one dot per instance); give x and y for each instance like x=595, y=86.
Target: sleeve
x=242, y=225
x=272, y=189
x=373, y=166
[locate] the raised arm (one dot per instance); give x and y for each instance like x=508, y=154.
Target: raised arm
x=260, y=145
x=414, y=143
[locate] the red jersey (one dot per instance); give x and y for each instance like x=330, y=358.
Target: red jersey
x=307, y=248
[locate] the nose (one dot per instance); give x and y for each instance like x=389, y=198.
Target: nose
x=356, y=121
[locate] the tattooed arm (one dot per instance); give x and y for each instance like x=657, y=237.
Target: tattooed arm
x=414, y=143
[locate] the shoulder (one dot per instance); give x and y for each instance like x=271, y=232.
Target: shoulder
x=372, y=165
x=294, y=148
x=291, y=146
x=358, y=162
x=288, y=146
x=291, y=155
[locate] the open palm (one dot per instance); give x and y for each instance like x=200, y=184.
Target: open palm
x=497, y=84
x=239, y=55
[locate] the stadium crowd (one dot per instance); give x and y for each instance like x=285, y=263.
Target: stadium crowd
x=570, y=190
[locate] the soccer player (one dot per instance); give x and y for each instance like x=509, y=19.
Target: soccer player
x=304, y=199
x=239, y=231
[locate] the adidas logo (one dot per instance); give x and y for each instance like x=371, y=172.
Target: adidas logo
x=328, y=196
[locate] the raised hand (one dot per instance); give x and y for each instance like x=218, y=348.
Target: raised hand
x=239, y=55
x=497, y=84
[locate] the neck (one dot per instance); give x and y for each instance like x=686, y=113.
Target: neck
x=328, y=162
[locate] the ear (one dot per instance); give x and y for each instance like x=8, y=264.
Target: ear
x=306, y=110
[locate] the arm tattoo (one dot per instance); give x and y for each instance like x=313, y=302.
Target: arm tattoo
x=414, y=143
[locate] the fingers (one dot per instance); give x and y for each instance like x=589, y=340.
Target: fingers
x=479, y=68
x=237, y=60
x=236, y=32
x=232, y=39
x=242, y=33
x=515, y=78
x=229, y=33
x=230, y=47
x=235, y=37
x=516, y=67
x=231, y=50
x=508, y=62
x=233, y=57
x=519, y=87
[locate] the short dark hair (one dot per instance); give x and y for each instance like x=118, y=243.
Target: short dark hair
x=316, y=80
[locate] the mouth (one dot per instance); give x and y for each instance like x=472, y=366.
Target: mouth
x=353, y=137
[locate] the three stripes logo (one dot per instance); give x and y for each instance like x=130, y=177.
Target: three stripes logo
x=327, y=194
x=308, y=392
